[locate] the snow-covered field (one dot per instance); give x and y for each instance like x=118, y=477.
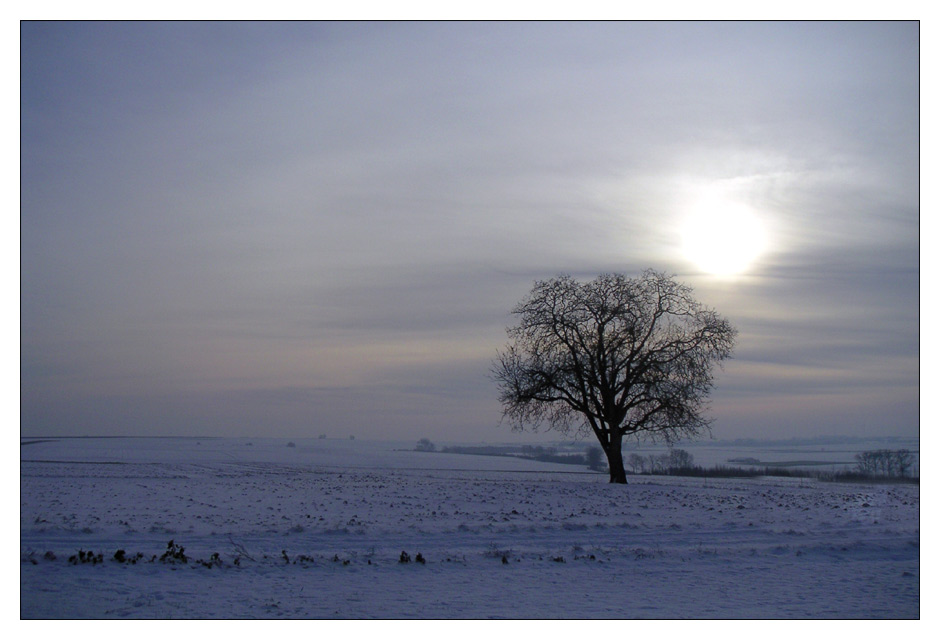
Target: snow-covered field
x=317, y=531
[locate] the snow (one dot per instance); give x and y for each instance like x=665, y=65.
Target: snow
x=343, y=512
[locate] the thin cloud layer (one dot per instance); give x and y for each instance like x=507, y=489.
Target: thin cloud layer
x=291, y=228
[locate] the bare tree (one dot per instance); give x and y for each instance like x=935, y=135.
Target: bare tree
x=637, y=463
x=658, y=463
x=617, y=357
x=867, y=461
x=903, y=460
x=680, y=459
x=594, y=458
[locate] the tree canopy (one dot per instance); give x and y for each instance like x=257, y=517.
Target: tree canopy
x=616, y=357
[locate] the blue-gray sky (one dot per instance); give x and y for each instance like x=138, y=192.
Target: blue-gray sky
x=302, y=228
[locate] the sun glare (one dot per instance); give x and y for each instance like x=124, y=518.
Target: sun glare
x=722, y=237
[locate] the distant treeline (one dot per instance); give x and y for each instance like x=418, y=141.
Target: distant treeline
x=804, y=442
x=591, y=458
x=723, y=471
x=526, y=452
x=881, y=465
x=897, y=463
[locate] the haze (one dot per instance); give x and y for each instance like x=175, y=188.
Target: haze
x=290, y=229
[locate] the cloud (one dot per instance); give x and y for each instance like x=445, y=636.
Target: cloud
x=241, y=210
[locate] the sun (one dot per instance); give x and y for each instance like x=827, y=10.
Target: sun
x=722, y=237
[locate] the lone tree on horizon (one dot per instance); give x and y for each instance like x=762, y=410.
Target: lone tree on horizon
x=617, y=357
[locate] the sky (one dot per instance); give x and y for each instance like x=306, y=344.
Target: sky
x=293, y=229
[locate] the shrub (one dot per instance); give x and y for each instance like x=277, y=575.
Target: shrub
x=213, y=561
x=425, y=445
x=86, y=557
x=173, y=554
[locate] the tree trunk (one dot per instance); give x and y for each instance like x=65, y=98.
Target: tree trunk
x=618, y=474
